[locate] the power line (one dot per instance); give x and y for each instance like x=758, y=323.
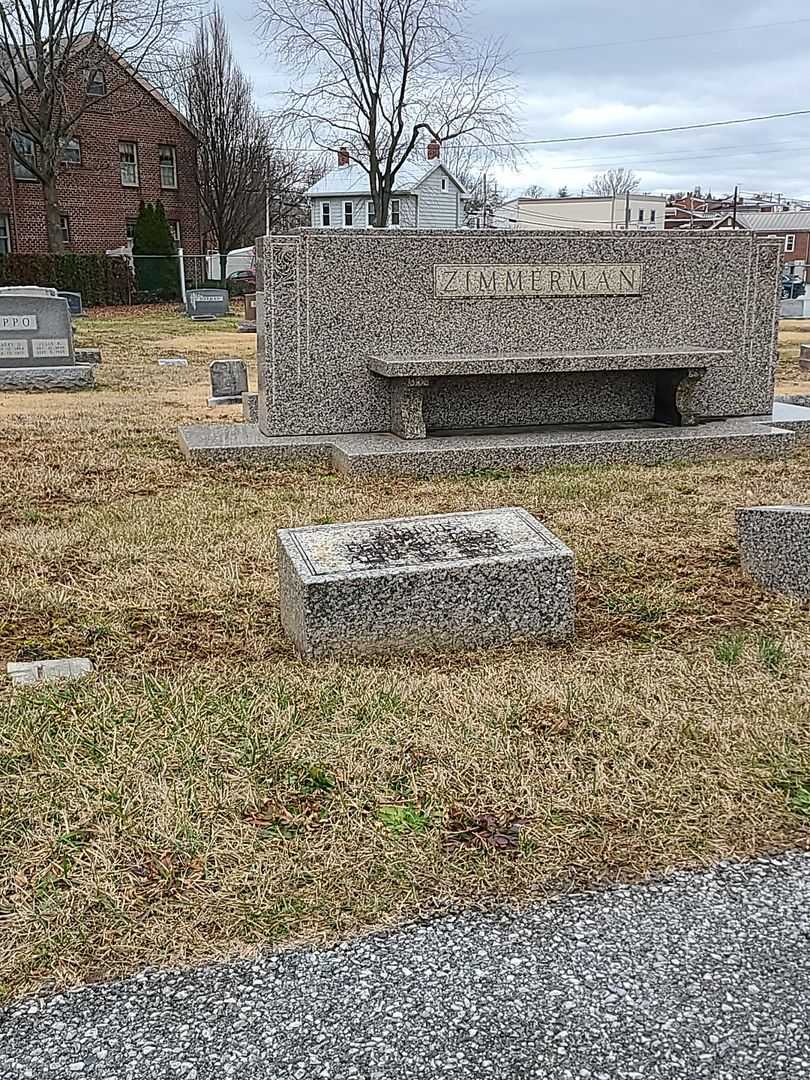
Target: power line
x=662, y=37
x=584, y=138
x=685, y=155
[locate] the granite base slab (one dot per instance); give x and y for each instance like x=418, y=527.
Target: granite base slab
x=250, y=408
x=72, y=377
x=774, y=544
x=405, y=585
x=244, y=444
x=388, y=455
x=794, y=416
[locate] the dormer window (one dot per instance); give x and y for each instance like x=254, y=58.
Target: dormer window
x=96, y=83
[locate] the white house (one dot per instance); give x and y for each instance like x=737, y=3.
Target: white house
x=588, y=212
x=426, y=195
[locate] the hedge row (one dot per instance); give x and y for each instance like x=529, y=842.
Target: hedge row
x=101, y=279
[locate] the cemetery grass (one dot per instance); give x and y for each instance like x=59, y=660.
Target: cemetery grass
x=207, y=793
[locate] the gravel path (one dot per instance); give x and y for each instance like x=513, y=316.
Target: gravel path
x=704, y=975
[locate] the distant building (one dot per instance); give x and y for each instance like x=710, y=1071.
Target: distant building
x=132, y=146
x=426, y=195
x=793, y=228
x=587, y=212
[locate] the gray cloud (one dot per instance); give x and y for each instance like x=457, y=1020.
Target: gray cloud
x=565, y=92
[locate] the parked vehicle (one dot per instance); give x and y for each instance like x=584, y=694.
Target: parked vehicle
x=241, y=282
x=792, y=289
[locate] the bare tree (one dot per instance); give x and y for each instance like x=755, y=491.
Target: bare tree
x=379, y=76
x=614, y=182
x=61, y=58
x=534, y=191
x=234, y=139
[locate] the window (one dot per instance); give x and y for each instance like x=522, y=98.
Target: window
x=652, y=217
x=790, y=242
x=394, y=214
x=71, y=152
x=325, y=212
x=64, y=225
x=175, y=228
x=130, y=229
x=371, y=213
x=444, y=183
x=348, y=214
x=23, y=148
x=641, y=216
x=128, y=154
x=168, y=166
x=96, y=83
x=5, y=234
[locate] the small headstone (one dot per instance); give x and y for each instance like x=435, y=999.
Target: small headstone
x=804, y=357
x=774, y=544
x=35, y=331
x=207, y=304
x=229, y=380
x=38, y=671
x=449, y=581
x=173, y=361
x=74, y=302
x=88, y=356
x=250, y=307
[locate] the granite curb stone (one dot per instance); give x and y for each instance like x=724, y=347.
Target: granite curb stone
x=774, y=543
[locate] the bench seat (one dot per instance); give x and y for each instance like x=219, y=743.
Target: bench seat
x=410, y=375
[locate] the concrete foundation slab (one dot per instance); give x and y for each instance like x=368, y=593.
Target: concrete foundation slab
x=445, y=581
x=78, y=377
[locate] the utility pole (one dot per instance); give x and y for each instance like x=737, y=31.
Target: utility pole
x=734, y=208
x=485, y=200
x=627, y=211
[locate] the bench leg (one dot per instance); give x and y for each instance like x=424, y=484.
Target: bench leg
x=685, y=394
x=407, y=416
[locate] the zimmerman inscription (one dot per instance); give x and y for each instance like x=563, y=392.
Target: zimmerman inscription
x=545, y=279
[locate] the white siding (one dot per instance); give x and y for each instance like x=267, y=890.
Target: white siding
x=438, y=209
x=580, y=213
x=407, y=211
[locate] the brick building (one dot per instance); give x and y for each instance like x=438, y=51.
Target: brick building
x=793, y=228
x=132, y=145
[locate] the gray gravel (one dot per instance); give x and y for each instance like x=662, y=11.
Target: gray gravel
x=703, y=975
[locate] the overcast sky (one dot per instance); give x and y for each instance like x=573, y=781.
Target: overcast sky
x=624, y=84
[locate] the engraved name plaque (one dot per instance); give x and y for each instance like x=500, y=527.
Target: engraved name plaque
x=452, y=282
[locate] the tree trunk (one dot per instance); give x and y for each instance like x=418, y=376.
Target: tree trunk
x=56, y=241
x=223, y=268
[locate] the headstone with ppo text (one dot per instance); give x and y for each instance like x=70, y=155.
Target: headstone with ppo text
x=35, y=331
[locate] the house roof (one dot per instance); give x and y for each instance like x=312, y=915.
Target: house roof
x=353, y=179
x=84, y=42
x=776, y=221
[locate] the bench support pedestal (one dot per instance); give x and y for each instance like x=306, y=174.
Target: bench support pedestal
x=407, y=414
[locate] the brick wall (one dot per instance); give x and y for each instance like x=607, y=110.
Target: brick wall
x=91, y=194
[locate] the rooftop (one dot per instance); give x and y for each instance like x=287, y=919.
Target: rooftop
x=778, y=221
x=353, y=179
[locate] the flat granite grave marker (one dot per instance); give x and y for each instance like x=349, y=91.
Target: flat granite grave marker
x=229, y=381
x=205, y=304
x=774, y=544
x=447, y=581
x=36, y=671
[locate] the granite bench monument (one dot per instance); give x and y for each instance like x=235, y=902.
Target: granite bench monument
x=447, y=581
x=428, y=352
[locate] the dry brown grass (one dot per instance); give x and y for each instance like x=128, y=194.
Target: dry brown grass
x=792, y=334
x=208, y=792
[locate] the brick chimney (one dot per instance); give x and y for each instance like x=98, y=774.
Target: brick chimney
x=434, y=150
x=343, y=156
